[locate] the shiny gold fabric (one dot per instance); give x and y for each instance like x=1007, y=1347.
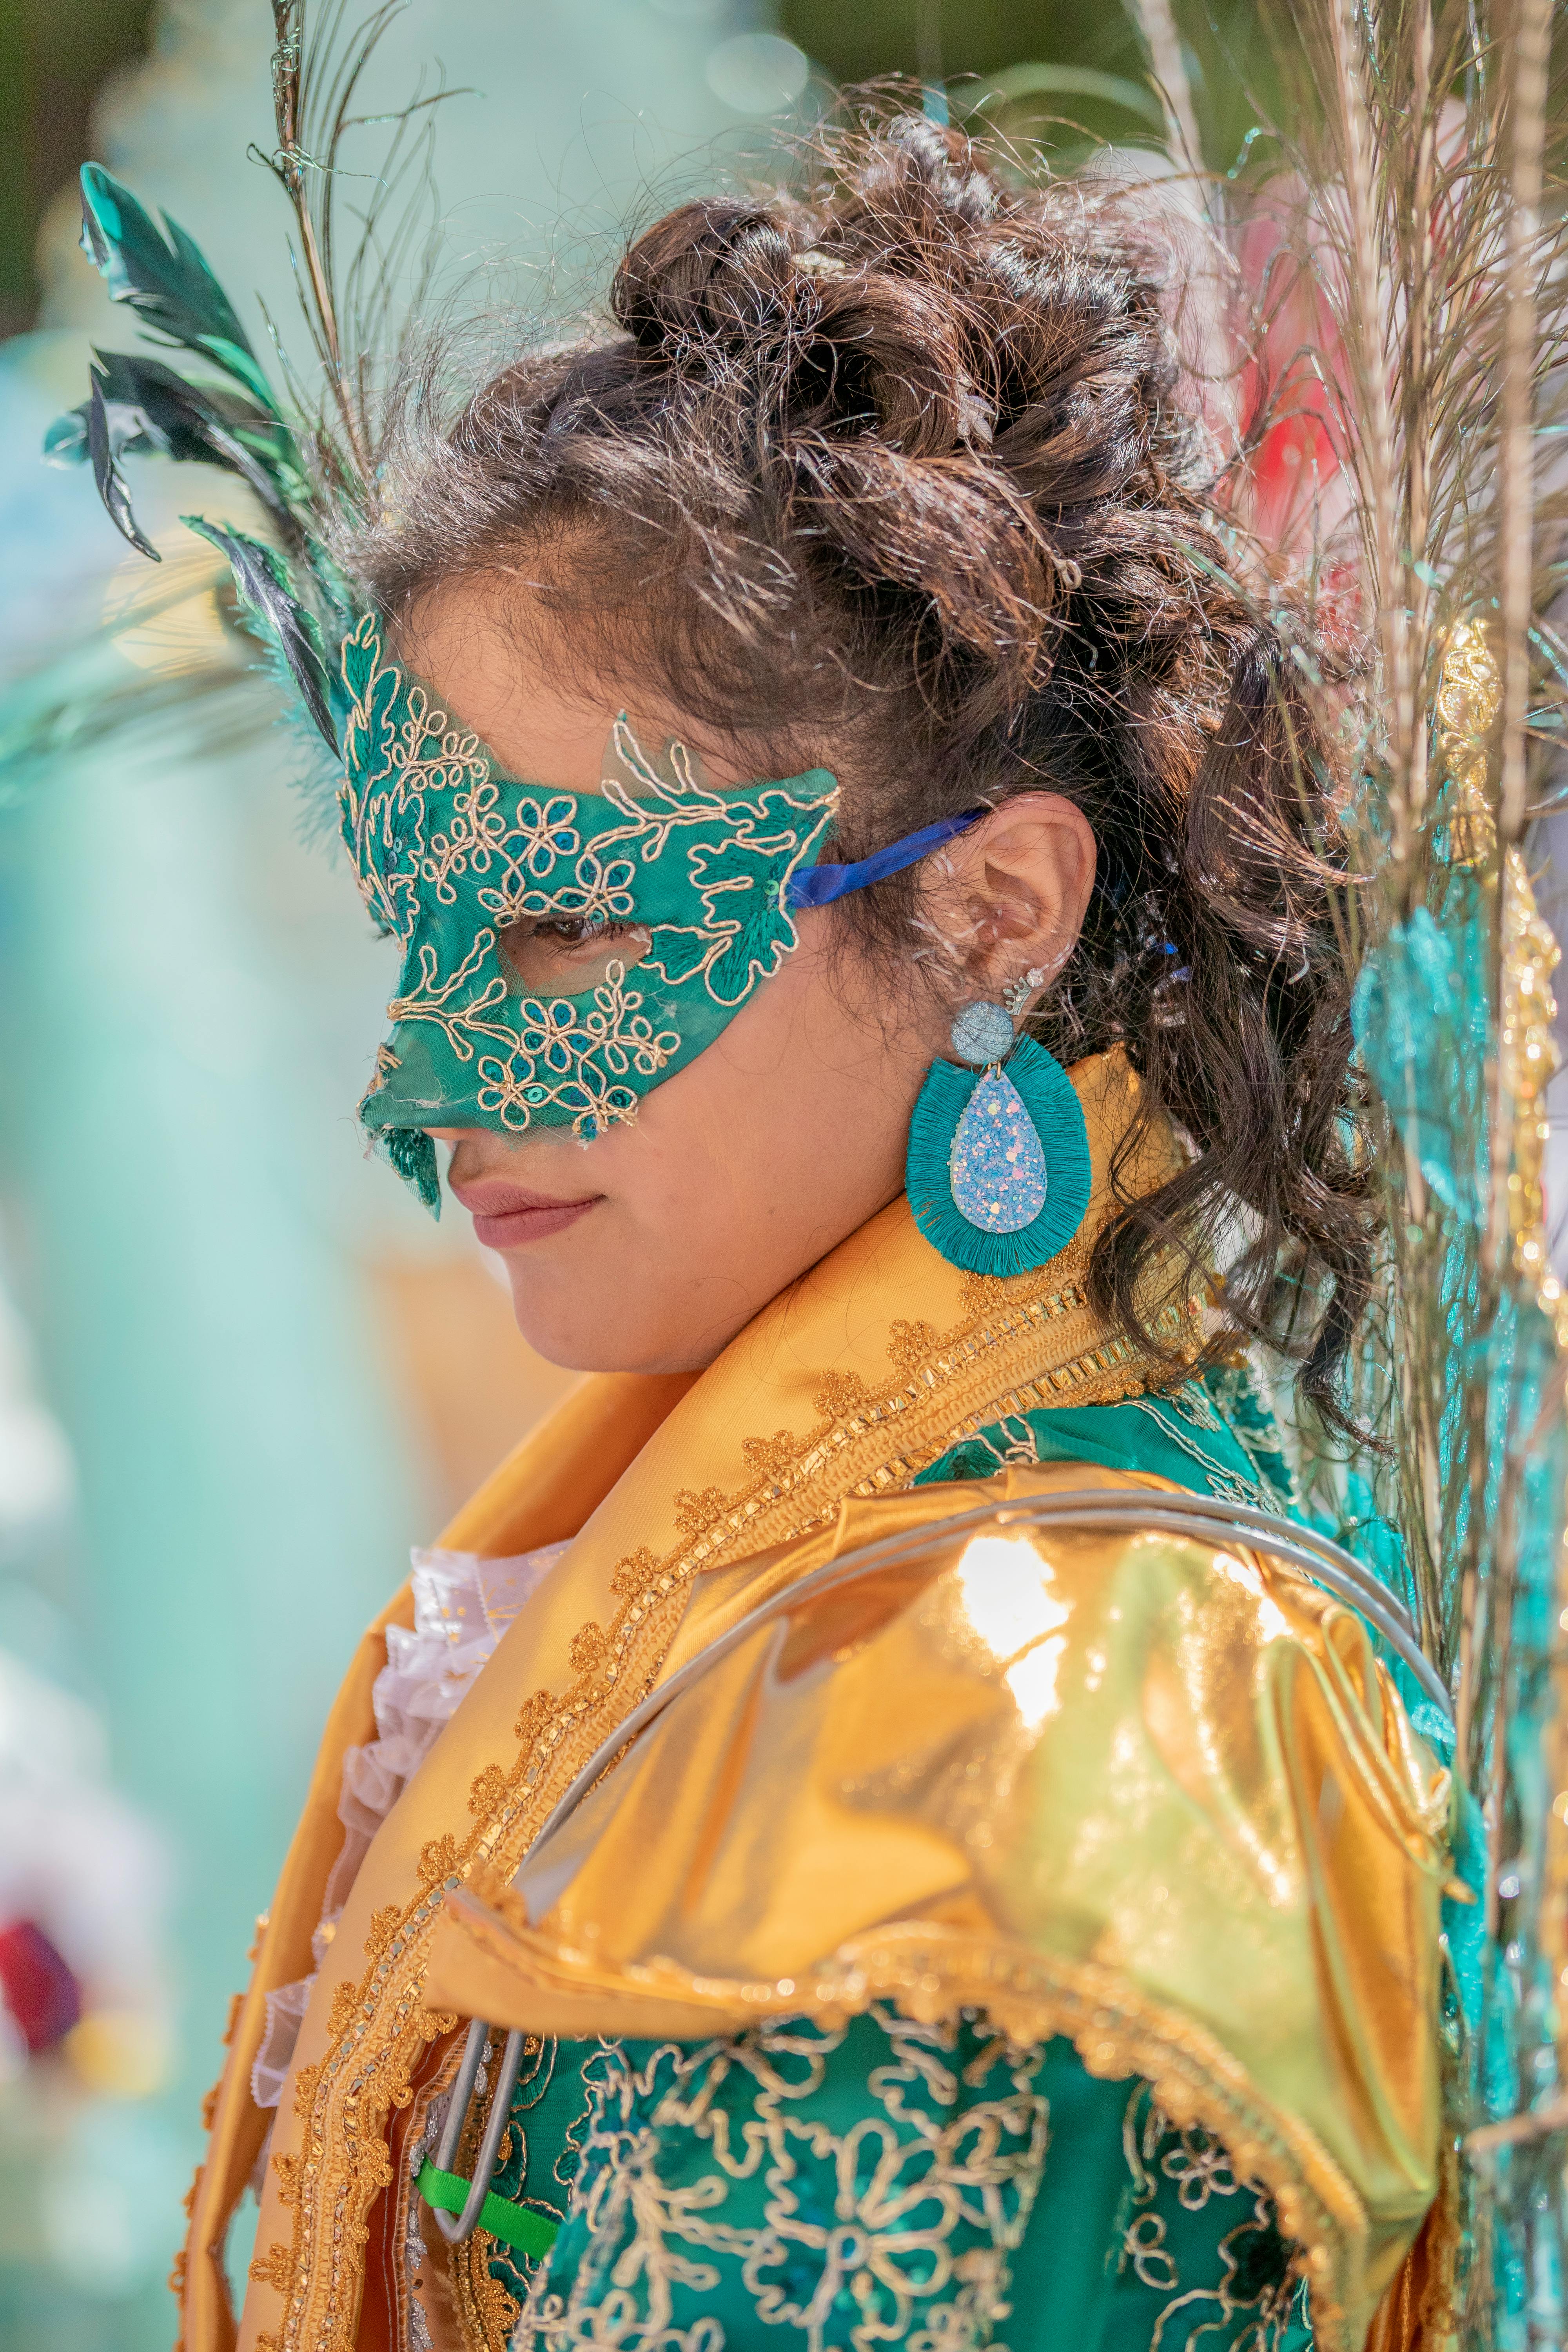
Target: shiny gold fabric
x=860, y=1375
x=1155, y=1796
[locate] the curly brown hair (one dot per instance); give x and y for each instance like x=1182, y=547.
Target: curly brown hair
x=900, y=472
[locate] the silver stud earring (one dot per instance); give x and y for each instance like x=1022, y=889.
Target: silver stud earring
x=1016, y=997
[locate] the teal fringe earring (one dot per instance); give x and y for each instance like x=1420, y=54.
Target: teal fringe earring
x=998, y=1172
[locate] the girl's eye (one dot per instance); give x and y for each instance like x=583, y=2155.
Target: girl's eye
x=565, y=955
x=575, y=930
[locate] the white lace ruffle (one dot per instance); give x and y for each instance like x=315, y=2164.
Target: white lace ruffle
x=462, y=1606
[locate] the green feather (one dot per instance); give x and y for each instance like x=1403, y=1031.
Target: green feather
x=105, y=440
x=164, y=275
x=150, y=408
x=263, y=579
x=139, y=404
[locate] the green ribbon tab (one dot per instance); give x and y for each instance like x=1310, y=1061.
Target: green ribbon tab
x=525, y=2227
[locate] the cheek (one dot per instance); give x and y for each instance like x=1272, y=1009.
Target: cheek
x=798, y=1109
x=740, y=1171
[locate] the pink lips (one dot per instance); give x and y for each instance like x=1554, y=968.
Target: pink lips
x=507, y=1214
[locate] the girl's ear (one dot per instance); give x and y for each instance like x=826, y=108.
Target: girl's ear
x=1009, y=897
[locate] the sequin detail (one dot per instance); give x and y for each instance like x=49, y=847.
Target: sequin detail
x=998, y=1169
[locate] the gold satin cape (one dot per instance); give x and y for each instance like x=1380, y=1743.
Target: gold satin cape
x=1209, y=1847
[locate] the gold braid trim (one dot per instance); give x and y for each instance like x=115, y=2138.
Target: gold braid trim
x=867, y=1442
x=488, y=2314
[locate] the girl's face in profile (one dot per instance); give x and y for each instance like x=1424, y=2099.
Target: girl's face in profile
x=650, y=1247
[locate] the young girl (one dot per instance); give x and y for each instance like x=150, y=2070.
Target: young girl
x=873, y=1827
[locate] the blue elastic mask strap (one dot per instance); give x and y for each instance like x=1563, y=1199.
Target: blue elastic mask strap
x=818, y=886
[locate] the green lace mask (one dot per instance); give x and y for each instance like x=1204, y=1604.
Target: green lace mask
x=663, y=901
x=564, y=952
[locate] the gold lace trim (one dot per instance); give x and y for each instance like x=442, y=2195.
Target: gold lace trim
x=488, y=2313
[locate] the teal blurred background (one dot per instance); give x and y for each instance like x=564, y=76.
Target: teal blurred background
x=239, y=1372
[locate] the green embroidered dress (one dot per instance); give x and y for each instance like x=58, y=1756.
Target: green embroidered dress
x=893, y=2182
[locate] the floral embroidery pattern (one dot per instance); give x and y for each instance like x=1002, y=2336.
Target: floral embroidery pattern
x=448, y=853
x=723, y=2167
x=876, y=2186
x=1255, y=2304
x=1191, y=1407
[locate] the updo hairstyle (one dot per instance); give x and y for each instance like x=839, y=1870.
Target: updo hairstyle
x=900, y=475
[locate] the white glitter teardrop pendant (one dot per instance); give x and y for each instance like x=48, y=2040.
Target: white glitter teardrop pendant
x=997, y=1168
